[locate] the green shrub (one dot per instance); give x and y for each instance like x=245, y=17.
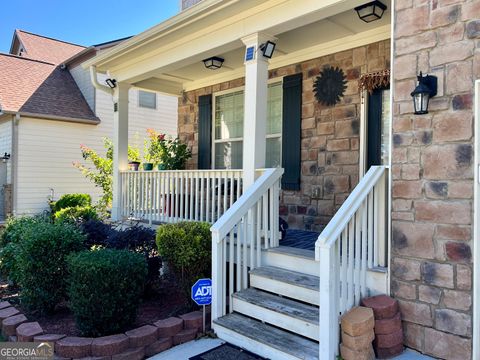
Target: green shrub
x=9, y=241
x=41, y=263
x=71, y=200
x=76, y=214
x=104, y=288
x=186, y=247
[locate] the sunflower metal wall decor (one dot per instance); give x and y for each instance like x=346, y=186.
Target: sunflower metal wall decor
x=330, y=86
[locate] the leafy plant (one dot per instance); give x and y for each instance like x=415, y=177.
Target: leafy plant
x=171, y=153
x=15, y=228
x=41, y=263
x=186, y=247
x=101, y=174
x=69, y=200
x=104, y=288
x=76, y=214
x=96, y=232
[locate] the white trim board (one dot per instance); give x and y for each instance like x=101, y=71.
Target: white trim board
x=476, y=230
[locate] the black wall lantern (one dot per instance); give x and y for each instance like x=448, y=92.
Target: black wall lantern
x=213, y=63
x=371, y=11
x=426, y=89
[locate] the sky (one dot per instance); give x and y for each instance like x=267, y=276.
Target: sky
x=96, y=21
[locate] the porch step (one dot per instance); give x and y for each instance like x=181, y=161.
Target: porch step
x=266, y=340
x=291, y=258
x=292, y=284
x=287, y=314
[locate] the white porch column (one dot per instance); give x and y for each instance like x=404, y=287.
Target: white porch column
x=255, y=109
x=120, y=144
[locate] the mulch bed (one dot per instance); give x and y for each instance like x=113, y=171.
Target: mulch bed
x=154, y=307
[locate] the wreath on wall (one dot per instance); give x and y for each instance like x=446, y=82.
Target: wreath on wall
x=330, y=86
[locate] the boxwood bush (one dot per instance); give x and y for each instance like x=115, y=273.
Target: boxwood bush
x=104, y=287
x=11, y=236
x=76, y=214
x=41, y=263
x=71, y=200
x=186, y=247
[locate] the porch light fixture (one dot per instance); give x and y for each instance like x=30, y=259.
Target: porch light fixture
x=371, y=11
x=426, y=89
x=112, y=83
x=5, y=157
x=213, y=63
x=267, y=49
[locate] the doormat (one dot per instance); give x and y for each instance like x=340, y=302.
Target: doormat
x=227, y=352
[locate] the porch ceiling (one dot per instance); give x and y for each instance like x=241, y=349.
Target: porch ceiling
x=302, y=29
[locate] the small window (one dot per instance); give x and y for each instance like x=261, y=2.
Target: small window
x=147, y=99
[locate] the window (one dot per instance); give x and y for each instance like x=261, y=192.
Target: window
x=228, y=129
x=147, y=99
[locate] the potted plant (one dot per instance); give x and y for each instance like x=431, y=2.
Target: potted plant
x=152, y=150
x=174, y=154
x=133, y=158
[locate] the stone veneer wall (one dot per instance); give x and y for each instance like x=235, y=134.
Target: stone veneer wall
x=188, y=3
x=330, y=134
x=433, y=174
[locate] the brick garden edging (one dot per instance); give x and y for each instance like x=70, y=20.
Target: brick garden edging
x=139, y=343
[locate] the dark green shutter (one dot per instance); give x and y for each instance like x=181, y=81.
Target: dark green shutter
x=292, y=131
x=205, y=132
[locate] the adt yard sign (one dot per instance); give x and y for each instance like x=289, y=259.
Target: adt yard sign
x=202, y=292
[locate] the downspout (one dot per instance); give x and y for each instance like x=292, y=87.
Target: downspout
x=96, y=83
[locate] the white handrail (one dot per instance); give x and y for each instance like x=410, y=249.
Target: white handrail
x=247, y=227
x=351, y=243
x=234, y=214
x=341, y=218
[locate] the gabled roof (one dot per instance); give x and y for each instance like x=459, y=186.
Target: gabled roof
x=40, y=88
x=43, y=48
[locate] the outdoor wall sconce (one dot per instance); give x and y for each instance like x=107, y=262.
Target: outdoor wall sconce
x=112, y=83
x=213, y=63
x=371, y=11
x=5, y=157
x=267, y=49
x=426, y=89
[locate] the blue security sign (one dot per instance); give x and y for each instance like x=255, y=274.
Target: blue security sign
x=250, y=53
x=202, y=292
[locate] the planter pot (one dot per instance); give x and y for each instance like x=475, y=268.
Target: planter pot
x=161, y=167
x=147, y=166
x=133, y=165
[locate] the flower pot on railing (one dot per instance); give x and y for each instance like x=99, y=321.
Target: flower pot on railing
x=161, y=167
x=147, y=166
x=133, y=165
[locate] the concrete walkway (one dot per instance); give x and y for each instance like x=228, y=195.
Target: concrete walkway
x=196, y=347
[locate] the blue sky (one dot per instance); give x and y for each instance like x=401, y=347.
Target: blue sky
x=94, y=22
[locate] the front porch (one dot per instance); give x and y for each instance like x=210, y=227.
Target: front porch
x=317, y=172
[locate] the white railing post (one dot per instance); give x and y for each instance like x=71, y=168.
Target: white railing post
x=328, y=314
x=217, y=277
x=380, y=228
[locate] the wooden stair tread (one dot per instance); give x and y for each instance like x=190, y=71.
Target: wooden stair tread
x=291, y=251
x=289, y=277
x=284, y=341
x=278, y=304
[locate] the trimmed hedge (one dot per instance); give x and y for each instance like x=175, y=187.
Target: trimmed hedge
x=187, y=248
x=76, y=214
x=71, y=200
x=104, y=287
x=41, y=263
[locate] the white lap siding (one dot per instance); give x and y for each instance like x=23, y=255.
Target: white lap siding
x=47, y=149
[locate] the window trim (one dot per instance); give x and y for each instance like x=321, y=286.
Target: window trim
x=277, y=80
x=148, y=92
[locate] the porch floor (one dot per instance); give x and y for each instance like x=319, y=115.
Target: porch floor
x=300, y=239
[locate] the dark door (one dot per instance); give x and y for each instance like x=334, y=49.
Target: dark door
x=378, y=129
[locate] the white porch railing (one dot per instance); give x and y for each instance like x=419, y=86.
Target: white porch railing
x=352, y=242
x=239, y=236
x=172, y=196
